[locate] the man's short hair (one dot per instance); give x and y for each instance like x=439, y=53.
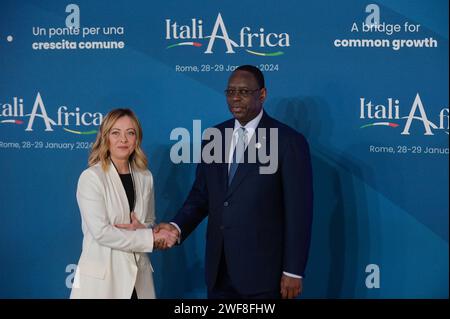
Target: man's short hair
x=256, y=73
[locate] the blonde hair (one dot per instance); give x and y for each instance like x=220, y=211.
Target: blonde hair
x=100, y=149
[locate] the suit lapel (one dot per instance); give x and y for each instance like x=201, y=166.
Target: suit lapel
x=138, y=190
x=223, y=167
x=116, y=184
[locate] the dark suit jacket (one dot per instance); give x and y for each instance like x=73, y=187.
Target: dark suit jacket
x=262, y=221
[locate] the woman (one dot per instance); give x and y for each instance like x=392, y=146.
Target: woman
x=117, y=188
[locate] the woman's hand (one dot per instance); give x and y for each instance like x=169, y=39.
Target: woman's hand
x=135, y=224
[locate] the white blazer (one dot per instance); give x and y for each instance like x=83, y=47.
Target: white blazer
x=114, y=261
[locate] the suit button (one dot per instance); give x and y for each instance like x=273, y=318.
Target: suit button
x=222, y=227
x=226, y=204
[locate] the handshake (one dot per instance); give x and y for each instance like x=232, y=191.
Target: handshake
x=165, y=235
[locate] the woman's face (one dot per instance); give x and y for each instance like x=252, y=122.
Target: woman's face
x=122, y=139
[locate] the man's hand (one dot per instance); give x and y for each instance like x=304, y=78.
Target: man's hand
x=290, y=287
x=165, y=236
x=135, y=224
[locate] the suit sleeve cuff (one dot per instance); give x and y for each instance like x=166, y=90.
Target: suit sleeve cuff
x=179, y=231
x=291, y=275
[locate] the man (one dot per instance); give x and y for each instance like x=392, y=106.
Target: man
x=259, y=224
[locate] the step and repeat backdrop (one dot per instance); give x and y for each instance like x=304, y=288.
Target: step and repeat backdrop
x=365, y=82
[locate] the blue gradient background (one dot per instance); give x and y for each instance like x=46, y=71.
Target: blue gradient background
x=370, y=208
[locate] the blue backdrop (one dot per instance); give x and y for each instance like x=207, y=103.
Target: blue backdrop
x=373, y=104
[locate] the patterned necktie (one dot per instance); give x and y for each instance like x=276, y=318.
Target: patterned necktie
x=238, y=153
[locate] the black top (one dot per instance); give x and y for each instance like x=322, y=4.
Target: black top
x=127, y=182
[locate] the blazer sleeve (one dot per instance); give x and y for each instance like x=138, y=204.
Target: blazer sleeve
x=91, y=201
x=195, y=208
x=296, y=173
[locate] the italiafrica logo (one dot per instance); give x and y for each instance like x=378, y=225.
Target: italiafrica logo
x=388, y=115
x=247, y=39
x=15, y=113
